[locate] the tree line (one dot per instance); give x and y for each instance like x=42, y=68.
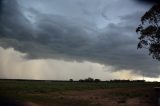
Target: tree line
x=89, y=79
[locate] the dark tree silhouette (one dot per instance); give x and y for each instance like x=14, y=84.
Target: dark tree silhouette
x=149, y=31
x=70, y=80
x=97, y=80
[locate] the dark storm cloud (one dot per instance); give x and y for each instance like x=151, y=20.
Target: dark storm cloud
x=0, y=6
x=12, y=22
x=53, y=34
x=148, y=1
x=57, y=36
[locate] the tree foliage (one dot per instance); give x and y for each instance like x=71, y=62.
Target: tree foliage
x=149, y=31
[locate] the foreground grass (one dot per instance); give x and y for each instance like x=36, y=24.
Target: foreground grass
x=41, y=91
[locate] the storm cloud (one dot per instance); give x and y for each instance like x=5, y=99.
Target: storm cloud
x=77, y=31
x=148, y=1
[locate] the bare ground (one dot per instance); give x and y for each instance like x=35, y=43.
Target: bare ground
x=107, y=97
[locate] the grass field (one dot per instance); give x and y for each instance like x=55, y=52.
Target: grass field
x=47, y=93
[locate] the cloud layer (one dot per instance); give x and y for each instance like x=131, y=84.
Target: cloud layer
x=77, y=31
x=49, y=69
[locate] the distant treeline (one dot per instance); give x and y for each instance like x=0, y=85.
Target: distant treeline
x=98, y=80
x=126, y=81
x=89, y=79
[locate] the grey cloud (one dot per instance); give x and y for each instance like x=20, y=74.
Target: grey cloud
x=12, y=22
x=148, y=1
x=57, y=36
x=119, y=50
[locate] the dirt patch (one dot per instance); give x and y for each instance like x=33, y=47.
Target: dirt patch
x=31, y=104
x=101, y=97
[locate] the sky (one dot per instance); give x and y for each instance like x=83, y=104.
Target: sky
x=63, y=39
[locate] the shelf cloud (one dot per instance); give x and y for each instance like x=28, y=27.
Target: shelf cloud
x=86, y=30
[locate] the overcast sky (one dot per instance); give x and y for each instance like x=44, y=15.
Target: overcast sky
x=63, y=39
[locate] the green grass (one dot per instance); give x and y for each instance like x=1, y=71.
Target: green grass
x=38, y=91
x=13, y=86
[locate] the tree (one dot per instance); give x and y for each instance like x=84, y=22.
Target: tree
x=81, y=80
x=70, y=80
x=97, y=80
x=149, y=31
x=89, y=79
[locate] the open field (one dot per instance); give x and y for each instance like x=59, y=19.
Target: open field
x=47, y=93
